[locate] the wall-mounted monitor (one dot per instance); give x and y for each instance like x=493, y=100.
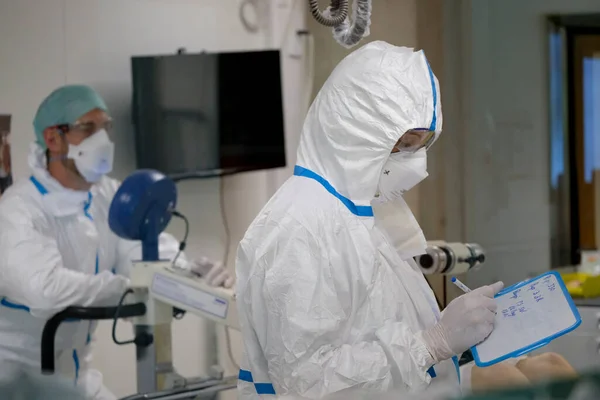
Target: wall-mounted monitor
x=208, y=114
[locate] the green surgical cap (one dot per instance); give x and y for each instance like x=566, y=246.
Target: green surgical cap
x=63, y=106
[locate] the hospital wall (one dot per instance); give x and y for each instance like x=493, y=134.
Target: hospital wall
x=496, y=132
x=48, y=43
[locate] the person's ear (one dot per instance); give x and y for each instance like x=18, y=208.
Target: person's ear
x=53, y=139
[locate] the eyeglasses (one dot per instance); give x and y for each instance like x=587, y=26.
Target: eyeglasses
x=414, y=140
x=85, y=128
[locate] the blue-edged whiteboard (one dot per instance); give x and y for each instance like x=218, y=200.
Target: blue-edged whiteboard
x=530, y=315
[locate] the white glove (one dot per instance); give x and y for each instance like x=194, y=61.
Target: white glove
x=467, y=321
x=214, y=273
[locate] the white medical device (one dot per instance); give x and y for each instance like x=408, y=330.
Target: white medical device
x=141, y=209
x=450, y=258
x=167, y=291
x=162, y=287
x=159, y=292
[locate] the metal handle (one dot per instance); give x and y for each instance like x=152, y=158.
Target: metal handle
x=202, y=390
x=82, y=313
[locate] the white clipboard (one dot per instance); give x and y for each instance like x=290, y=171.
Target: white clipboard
x=530, y=315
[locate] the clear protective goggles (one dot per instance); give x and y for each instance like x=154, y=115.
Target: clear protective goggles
x=86, y=129
x=413, y=140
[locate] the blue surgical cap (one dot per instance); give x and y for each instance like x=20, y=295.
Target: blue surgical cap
x=64, y=106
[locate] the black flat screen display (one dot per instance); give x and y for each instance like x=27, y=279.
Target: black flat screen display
x=208, y=114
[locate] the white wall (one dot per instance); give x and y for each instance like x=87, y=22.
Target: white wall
x=47, y=43
x=496, y=111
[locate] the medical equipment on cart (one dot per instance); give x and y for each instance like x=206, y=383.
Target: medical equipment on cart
x=141, y=209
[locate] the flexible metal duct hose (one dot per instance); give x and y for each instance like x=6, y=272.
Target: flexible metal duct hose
x=349, y=33
x=338, y=10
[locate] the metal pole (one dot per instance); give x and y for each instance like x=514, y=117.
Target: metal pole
x=146, y=363
x=155, y=362
x=203, y=391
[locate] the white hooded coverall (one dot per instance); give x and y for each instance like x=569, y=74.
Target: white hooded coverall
x=328, y=295
x=57, y=250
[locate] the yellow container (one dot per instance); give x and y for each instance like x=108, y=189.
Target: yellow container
x=580, y=284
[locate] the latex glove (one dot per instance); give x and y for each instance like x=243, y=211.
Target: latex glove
x=467, y=321
x=214, y=273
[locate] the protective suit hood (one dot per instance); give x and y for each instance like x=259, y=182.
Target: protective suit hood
x=372, y=97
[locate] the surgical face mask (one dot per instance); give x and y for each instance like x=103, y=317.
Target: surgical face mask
x=401, y=172
x=93, y=156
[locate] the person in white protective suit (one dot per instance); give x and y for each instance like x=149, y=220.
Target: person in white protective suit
x=328, y=294
x=56, y=248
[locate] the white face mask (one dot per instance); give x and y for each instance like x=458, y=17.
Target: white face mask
x=93, y=156
x=401, y=172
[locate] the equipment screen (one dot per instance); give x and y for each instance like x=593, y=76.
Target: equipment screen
x=208, y=114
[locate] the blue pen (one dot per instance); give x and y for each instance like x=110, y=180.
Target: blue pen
x=460, y=285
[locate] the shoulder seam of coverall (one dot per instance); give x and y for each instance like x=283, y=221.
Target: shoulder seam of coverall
x=339, y=205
